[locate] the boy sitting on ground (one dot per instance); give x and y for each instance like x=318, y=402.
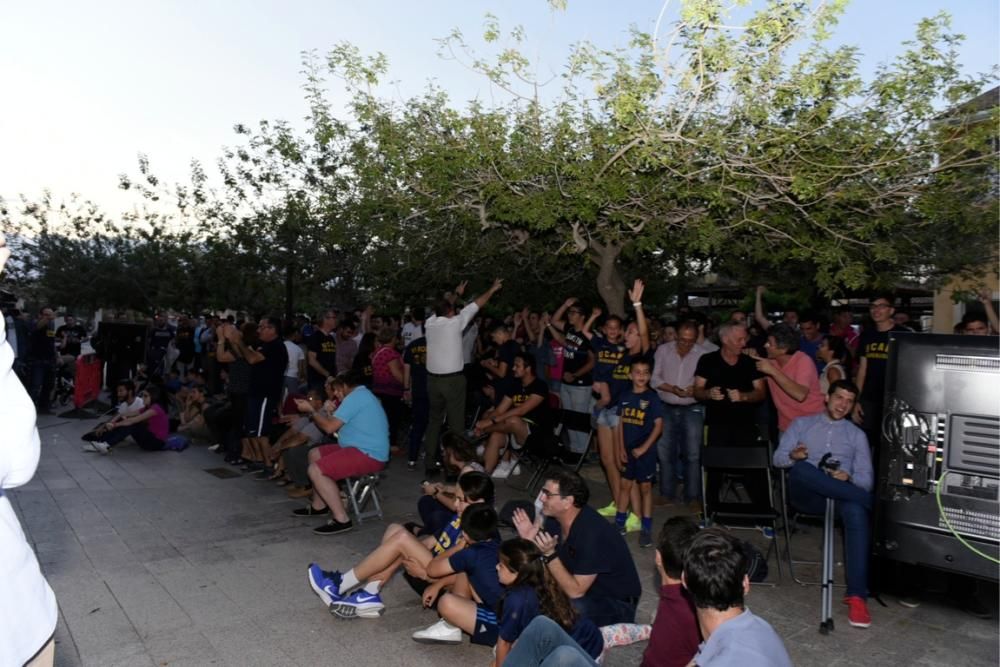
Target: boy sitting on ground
x=470, y=606
x=356, y=592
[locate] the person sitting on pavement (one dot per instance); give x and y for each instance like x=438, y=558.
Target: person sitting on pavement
x=437, y=504
x=470, y=604
x=363, y=436
x=523, y=410
x=791, y=376
x=192, y=415
x=828, y=457
x=715, y=575
x=128, y=404
x=640, y=423
x=674, y=638
x=356, y=592
x=148, y=428
x=531, y=592
x=590, y=561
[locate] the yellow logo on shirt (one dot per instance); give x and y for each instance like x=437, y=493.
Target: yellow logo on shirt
x=634, y=416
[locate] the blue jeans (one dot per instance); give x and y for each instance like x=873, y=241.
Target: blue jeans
x=808, y=489
x=683, y=426
x=42, y=378
x=545, y=644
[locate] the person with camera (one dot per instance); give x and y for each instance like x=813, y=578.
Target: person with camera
x=828, y=457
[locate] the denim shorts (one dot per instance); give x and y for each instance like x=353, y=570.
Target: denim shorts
x=606, y=417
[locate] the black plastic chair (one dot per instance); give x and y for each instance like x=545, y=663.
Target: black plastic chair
x=731, y=463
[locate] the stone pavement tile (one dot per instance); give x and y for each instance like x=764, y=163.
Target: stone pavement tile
x=246, y=643
x=119, y=655
x=67, y=654
x=101, y=631
x=182, y=646
x=147, y=604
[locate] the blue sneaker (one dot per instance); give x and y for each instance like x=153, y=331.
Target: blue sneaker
x=767, y=531
x=360, y=604
x=325, y=584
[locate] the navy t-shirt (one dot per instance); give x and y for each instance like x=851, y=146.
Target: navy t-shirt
x=505, y=354
x=520, y=607
x=519, y=394
x=594, y=546
x=621, y=380
x=415, y=356
x=267, y=377
x=575, y=353
x=638, y=414
x=325, y=347
x=479, y=562
x=608, y=355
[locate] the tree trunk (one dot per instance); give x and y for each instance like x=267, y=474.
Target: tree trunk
x=610, y=285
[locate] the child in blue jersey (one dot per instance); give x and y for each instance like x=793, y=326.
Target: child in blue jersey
x=532, y=592
x=640, y=423
x=471, y=567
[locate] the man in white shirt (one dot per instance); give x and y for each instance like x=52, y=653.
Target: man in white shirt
x=445, y=365
x=413, y=329
x=29, y=613
x=684, y=416
x=128, y=404
x=295, y=371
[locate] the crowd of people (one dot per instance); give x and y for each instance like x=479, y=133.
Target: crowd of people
x=308, y=404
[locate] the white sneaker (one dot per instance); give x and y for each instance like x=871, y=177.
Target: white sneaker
x=214, y=448
x=441, y=632
x=97, y=446
x=503, y=469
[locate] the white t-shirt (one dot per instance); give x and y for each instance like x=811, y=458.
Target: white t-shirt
x=135, y=407
x=28, y=613
x=411, y=332
x=444, y=340
x=295, y=355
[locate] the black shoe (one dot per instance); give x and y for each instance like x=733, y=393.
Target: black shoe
x=333, y=527
x=309, y=511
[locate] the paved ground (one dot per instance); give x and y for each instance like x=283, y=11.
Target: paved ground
x=156, y=562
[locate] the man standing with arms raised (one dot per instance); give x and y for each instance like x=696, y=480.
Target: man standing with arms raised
x=445, y=365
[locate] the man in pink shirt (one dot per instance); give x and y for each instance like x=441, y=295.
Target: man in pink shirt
x=791, y=376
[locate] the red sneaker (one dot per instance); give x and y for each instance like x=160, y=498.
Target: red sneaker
x=857, y=612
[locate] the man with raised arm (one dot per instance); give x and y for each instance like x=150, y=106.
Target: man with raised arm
x=445, y=365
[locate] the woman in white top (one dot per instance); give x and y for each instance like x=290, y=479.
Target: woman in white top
x=28, y=613
x=833, y=351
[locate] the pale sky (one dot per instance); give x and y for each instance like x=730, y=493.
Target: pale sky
x=88, y=86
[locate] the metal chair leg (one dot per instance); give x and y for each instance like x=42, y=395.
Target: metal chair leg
x=826, y=613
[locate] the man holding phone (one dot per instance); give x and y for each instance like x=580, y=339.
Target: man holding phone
x=828, y=457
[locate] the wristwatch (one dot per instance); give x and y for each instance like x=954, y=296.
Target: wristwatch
x=551, y=557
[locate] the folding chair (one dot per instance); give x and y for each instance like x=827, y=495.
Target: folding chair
x=360, y=492
x=790, y=519
x=578, y=422
x=730, y=461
